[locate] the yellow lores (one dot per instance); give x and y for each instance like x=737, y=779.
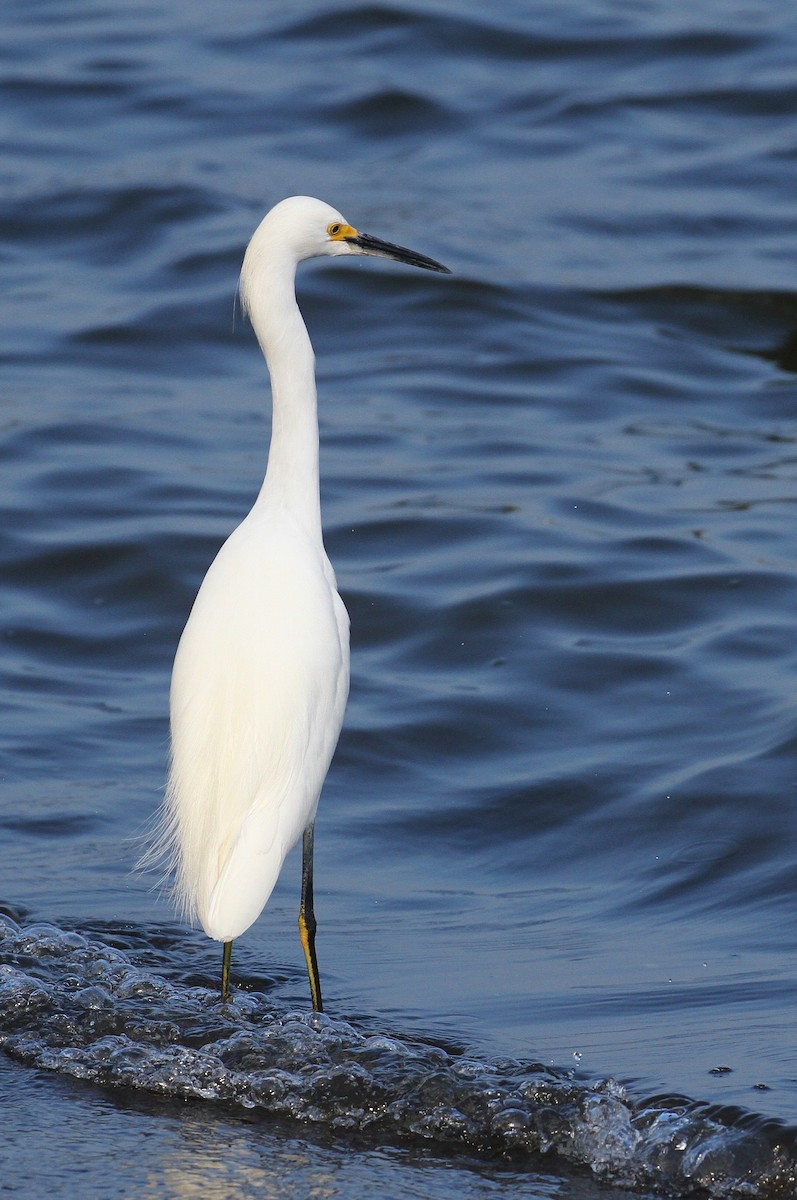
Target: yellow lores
x=339, y=232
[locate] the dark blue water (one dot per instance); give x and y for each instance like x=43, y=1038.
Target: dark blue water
x=556, y=857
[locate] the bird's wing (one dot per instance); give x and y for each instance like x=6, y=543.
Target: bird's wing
x=258, y=693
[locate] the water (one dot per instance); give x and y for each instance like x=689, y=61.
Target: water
x=556, y=854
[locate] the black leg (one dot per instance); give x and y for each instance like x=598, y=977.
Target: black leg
x=225, y=972
x=307, y=923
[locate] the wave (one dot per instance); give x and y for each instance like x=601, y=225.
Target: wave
x=84, y=1007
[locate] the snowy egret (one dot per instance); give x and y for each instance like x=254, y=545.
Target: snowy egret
x=261, y=673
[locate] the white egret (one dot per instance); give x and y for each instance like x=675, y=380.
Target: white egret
x=261, y=673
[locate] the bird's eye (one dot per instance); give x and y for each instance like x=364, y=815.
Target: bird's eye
x=334, y=229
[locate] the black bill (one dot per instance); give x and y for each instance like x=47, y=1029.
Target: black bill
x=379, y=249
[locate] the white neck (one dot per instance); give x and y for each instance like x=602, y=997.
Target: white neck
x=292, y=479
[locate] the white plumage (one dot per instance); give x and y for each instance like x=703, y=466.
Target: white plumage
x=261, y=673
x=255, y=719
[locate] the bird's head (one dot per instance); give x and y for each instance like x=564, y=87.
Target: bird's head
x=302, y=227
